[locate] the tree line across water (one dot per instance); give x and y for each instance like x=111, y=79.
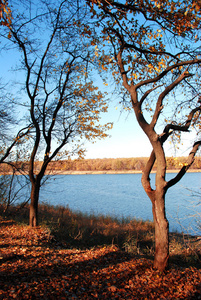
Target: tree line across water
x=104, y=164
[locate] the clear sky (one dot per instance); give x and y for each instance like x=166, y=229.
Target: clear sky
x=128, y=140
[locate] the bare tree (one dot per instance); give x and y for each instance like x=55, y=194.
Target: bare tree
x=63, y=104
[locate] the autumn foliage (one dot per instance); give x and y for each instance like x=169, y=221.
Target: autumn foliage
x=5, y=13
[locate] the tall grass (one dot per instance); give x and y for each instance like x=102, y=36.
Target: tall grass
x=75, y=229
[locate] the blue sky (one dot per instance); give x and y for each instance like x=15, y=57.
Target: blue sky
x=128, y=140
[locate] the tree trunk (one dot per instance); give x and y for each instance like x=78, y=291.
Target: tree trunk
x=161, y=258
x=33, y=212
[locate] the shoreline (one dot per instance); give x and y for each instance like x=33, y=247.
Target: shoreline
x=114, y=172
x=63, y=172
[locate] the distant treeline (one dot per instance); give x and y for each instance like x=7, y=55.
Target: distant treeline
x=106, y=164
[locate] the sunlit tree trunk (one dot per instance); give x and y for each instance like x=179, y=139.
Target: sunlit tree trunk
x=157, y=197
x=161, y=258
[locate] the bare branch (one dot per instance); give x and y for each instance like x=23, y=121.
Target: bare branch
x=185, y=168
x=147, y=93
x=19, y=135
x=122, y=70
x=167, y=90
x=174, y=127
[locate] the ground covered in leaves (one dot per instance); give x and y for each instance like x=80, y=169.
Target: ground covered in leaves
x=33, y=265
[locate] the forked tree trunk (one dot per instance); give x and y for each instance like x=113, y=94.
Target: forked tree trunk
x=33, y=212
x=157, y=197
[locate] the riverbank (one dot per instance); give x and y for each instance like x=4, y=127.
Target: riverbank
x=77, y=229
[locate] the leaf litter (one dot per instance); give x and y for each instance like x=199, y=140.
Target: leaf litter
x=33, y=265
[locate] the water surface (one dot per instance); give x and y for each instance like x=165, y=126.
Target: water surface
x=122, y=196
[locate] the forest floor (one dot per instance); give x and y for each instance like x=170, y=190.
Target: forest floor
x=35, y=265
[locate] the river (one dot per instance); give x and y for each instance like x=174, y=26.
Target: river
x=122, y=196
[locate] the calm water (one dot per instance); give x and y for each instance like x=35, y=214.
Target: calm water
x=122, y=196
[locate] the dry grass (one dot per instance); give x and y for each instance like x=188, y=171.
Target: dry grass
x=82, y=231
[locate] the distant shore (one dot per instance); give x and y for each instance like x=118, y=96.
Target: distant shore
x=94, y=172
x=113, y=172
x=130, y=165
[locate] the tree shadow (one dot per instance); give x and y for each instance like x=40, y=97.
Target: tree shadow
x=110, y=274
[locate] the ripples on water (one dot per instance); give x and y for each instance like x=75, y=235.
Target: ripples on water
x=122, y=196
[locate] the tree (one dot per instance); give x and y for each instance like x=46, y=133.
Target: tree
x=153, y=50
x=63, y=104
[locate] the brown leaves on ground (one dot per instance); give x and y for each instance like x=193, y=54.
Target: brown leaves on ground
x=34, y=266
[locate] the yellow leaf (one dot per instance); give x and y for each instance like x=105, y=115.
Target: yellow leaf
x=104, y=68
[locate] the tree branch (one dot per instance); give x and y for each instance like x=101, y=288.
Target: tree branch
x=145, y=176
x=19, y=135
x=185, y=168
x=122, y=70
x=167, y=90
x=166, y=71
x=147, y=93
x=173, y=127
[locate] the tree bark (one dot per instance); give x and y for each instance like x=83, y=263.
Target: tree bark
x=33, y=212
x=161, y=257
x=157, y=197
